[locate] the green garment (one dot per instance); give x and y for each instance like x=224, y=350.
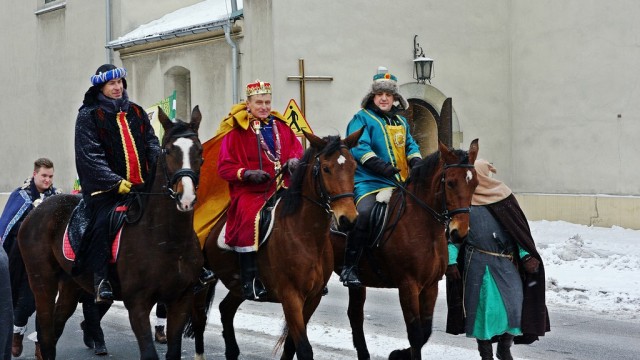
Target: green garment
x=491, y=316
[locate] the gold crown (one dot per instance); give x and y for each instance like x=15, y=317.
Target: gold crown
x=258, y=87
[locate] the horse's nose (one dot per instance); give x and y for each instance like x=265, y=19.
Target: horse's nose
x=344, y=224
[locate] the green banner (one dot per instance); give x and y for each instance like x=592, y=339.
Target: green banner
x=168, y=105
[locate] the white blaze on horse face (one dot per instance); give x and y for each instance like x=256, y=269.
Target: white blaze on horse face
x=188, y=189
x=469, y=176
x=342, y=159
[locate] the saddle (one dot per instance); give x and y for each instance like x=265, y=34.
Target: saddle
x=78, y=224
x=378, y=219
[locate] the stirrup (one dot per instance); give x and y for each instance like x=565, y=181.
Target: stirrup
x=206, y=276
x=254, y=290
x=349, y=277
x=104, y=293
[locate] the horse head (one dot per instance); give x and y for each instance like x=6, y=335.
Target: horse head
x=181, y=157
x=459, y=181
x=333, y=171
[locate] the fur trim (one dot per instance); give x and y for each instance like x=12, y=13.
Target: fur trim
x=389, y=86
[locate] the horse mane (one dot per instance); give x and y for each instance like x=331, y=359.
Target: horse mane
x=292, y=197
x=428, y=166
x=179, y=127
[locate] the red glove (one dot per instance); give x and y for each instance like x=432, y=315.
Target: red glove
x=530, y=264
x=453, y=273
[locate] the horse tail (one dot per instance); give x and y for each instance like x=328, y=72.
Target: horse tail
x=189, y=331
x=282, y=339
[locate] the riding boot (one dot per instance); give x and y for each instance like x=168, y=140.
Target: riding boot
x=206, y=276
x=252, y=287
x=504, y=347
x=104, y=293
x=349, y=274
x=486, y=349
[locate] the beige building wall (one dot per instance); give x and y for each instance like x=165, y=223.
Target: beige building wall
x=547, y=87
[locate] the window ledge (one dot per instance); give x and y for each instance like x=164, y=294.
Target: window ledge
x=54, y=7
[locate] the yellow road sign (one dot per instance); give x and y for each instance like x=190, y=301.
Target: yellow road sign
x=295, y=119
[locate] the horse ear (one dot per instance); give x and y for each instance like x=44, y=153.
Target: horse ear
x=164, y=119
x=352, y=140
x=473, y=151
x=196, y=117
x=315, y=141
x=446, y=154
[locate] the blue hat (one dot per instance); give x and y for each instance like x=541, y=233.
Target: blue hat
x=108, y=72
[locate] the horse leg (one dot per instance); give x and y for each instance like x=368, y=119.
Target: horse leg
x=201, y=302
x=428, y=298
x=228, y=308
x=139, y=319
x=355, y=312
x=177, y=314
x=292, y=305
x=410, y=304
x=43, y=280
x=68, y=295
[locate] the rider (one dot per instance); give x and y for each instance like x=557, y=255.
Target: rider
x=115, y=148
x=251, y=156
x=385, y=152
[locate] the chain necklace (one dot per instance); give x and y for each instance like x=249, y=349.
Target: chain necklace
x=275, y=159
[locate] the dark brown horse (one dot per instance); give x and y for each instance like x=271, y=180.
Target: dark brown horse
x=412, y=252
x=159, y=257
x=296, y=261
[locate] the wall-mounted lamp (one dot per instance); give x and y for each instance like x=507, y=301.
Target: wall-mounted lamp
x=422, y=65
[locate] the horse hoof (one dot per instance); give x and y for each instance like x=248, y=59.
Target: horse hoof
x=88, y=341
x=400, y=354
x=101, y=349
x=199, y=357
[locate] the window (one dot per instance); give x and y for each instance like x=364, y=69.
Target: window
x=45, y=6
x=178, y=79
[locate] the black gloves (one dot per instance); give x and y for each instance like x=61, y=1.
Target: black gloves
x=256, y=176
x=452, y=272
x=381, y=167
x=530, y=264
x=413, y=162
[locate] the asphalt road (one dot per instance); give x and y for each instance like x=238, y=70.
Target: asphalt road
x=574, y=335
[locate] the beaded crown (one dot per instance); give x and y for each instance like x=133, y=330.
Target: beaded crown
x=258, y=87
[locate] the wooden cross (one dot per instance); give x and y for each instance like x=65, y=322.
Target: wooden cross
x=302, y=79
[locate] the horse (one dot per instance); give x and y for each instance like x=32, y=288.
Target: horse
x=411, y=252
x=159, y=256
x=296, y=261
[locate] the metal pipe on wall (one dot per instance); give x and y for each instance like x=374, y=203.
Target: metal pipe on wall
x=234, y=61
x=108, y=31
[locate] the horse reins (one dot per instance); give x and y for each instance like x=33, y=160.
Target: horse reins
x=321, y=189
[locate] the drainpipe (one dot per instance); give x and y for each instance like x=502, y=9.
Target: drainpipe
x=234, y=60
x=108, y=31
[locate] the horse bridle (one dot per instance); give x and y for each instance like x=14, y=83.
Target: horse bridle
x=446, y=215
x=180, y=173
x=321, y=190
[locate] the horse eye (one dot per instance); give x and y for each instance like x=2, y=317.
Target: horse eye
x=451, y=184
x=326, y=169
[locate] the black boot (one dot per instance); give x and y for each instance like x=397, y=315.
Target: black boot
x=486, y=349
x=104, y=293
x=504, y=347
x=349, y=274
x=206, y=276
x=252, y=287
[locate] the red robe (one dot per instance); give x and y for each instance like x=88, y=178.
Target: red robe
x=239, y=152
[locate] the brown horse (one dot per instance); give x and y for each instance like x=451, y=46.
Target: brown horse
x=159, y=257
x=412, y=252
x=296, y=261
